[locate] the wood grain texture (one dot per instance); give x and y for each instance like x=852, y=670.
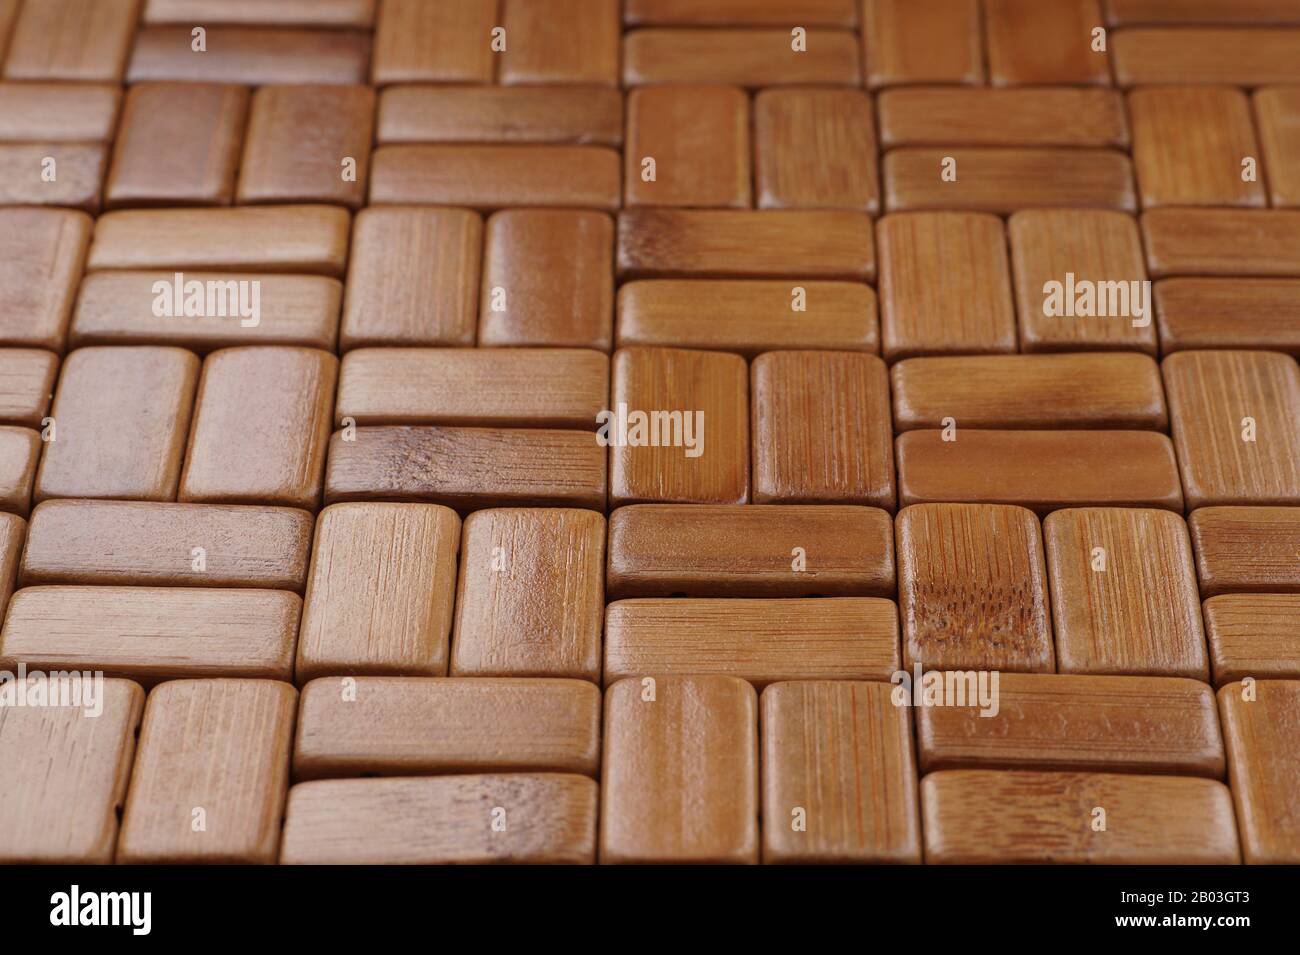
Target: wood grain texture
x=679, y=772
x=421, y=42
x=751, y=58
x=71, y=40
x=701, y=550
x=1277, y=113
x=57, y=112
x=759, y=640
x=1222, y=242
x=379, y=595
x=1141, y=614
x=1246, y=549
x=26, y=384
x=406, y=726
x=20, y=449
x=981, y=817
x=1044, y=42
x=1230, y=56
x=13, y=530
x=585, y=115
x=842, y=753
x=307, y=13
x=43, y=251
x=1253, y=635
x=1184, y=12
x=66, y=778
x=549, y=818
x=255, y=56
x=1263, y=742
x=1228, y=313
x=151, y=634
x=561, y=41
x=815, y=149
x=936, y=42
x=838, y=13
x=698, y=139
x=953, y=116
x=530, y=598
x=220, y=746
x=79, y=168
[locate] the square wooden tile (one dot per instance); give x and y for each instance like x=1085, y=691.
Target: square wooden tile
x=255, y=56
x=1044, y=42
x=1226, y=242
x=1253, y=635
x=52, y=174
x=57, y=112
x=44, y=251
x=26, y=385
x=71, y=40
x=1246, y=549
x=560, y=41
x=421, y=42
x=359, y=14
x=20, y=449
x=500, y=114
x=1223, y=55
x=1261, y=727
x=936, y=42
x=957, y=116
x=751, y=58
x=838, y=13
x=1277, y=112
x=815, y=149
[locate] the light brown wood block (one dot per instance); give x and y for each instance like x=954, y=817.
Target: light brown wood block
x=1124, y=593
x=1236, y=426
x=687, y=145
x=261, y=423
x=468, y=468
x=67, y=775
x=586, y=115
x=753, y=550
x=71, y=40
x=1185, y=12
x=1222, y=242
x=548, y=817
x=1044, y=42
x=43, y=251
x=970, y=310
x=407, y=726
x=1263, y=741
x=78, y=168
x=1229, y=56
x=1041, y=470
x=1094, y=258
x=548, y=279
x=211, y=773
x=774, y=13
x=1277, y=112
x=341, y=14
x=759, y=640
x=8, y=13
x=815, y=149
x=202, y=125
x=657, y=455
x=26, y=384
x=379, y=596
x=561, y=41
x=20, y=448
x=742, y=244
x=837, y=757
x=679, y=773
x=936, y=42
x=1123, y=390
x=255, y=56
x=150, y=634
x=1250, y=549
x=57, y=112
x=13, y=530
x=301, y=239
x=1052, y=721
x=421, y=42
x=798, y=396
x=953, y=116
x=976, y=816
x=749, y=58
x=1253, y=635
x=1228, y=313
x=530, y=599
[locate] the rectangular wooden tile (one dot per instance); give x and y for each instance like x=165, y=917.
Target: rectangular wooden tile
x=679, y=772
x=290, y=393
x=1041, y=470
x=586, y=115
x=1183, y=12
x=255, y=56
x=687, y=145
x=981, y=817
x=815, y=149
x=57, y=112
x=547, y=817
x=150, y=634
x=1261, y=727
x=936, y=42
x=407, y=726
x=421, y=42
x=52, y=174
x=1277, y=112
x=1044, y=42
x=13, y=531
x=753, y=550
x=359, y=14
x=530, y=600
x=20, y=448
x=953, y=116
x=749, y=58
x=43, y=251
x=1231, y=56
x=26, y=384
x=1124, y=593
x=759, y=640
x=1227, y=242
x=1250, y=549
x=839, y=777
x=1253, y=635
x=211, y=774
x=843, y=394
x=8, y=14
x=837, y=13
x=561, y=41
x=71, y=40
x=66, y=775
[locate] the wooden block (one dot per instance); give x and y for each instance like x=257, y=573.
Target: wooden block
x=79, y=168
x=758, y=13
x=1006, y=180
x=306, y=13
x=1041, y=470
x=66, y=776
x=468, y=468
x=421, y=42
x=555, y=272
x=261, y=422
x=1131, y=609
x=1246, y=549
x=1263, y=741
x=19, y=450
x=407, y=726
x=1183, y=12
x=759, y=640
x=1052, y=721
x=838, y=173
x=13, y=530
x=1229, y=56
x=838, y=757
x=953, y=116
x=8, y=13
x=129, y=543
x=843, y=394
x=697, y=138
x=1277, y=111
x=561, y=41
x=492, y=177
x=679, y=774
x=1231, y=242
x=211, y=774
x=26, y=384
x=719, y=243
x=151, y=634
x=311, y=239
x=1236, y=426
x=671, y=459
x=549, y=818
x=500, y=114
x=980, y=816
x=43, y=251
x=255, y=56
x=57, y=112
x=1030, y=391
x=753, y=550
x=380, y=592
x=413, y=278
x=1094, y=257
x=530, y=599
x=970, y=311
x=749, y=58
x=1037, y=43
x=1253, y=635
x=934, y=42
x=72, y=40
